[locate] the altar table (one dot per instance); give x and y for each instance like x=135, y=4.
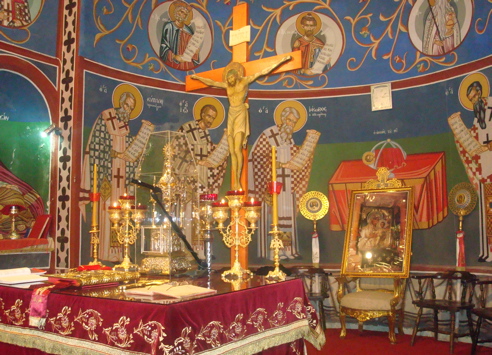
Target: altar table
x=426, y=173
x=259, y=317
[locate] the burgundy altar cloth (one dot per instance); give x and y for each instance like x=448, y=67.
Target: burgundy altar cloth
x=426, y=173
x=276, y=317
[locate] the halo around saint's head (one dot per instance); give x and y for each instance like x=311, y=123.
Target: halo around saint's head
x=238, y=67
x=197, y=108
x=122, y=88
x=301, y=16
x=180, y=3
x=298, y=106
x=482, y=79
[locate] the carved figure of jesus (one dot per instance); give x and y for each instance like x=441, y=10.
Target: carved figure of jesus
x=237, y=85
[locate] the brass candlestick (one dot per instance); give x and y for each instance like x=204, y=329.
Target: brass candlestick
x=276, y=244
x=126, y=221
x=14, y=211
x=206, y=225
x=94, y=232
x=237, y=233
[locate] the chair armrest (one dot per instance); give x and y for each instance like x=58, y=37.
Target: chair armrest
x=343, y=281
x=482, y=295
x=422, y=277
x=400, y=286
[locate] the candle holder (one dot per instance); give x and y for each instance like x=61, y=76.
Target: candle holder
x=14, y=211
x=206, y=224
x=276, y=244
x=94, y=232
x=237, y=233
x=126, y=219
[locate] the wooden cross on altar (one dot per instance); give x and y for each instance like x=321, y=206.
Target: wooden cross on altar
x=240, y=54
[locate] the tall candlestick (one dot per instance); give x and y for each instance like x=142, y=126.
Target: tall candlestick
x=274, y=195
x=95, y=209
x=94, y=183
x=274, y=163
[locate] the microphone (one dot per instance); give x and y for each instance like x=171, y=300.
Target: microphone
x=154, y=191
x=146, y=185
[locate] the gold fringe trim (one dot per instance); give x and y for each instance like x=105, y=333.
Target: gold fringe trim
x=61, y=345
x=270, y=338
x=56, y=344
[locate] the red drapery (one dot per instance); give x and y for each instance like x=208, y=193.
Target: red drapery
x=426, y=173
x=272, y=318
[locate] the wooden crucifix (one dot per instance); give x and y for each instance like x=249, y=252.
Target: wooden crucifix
x=235, y=78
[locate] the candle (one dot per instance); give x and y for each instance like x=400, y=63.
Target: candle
x=221, y=203
x=94, y=183
x=274, y=163
x=114, y=207
x=252, y=203
x=208, y=197
x=95, y=198
x=274, y=179
x=235, y=192
x=127, y=197
x=141, y=207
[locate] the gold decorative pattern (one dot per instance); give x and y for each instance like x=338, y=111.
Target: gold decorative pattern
x=118, y=334
x=152, y=332
x=96, y=277
x=90, y=320
x=278, y=318
x=15, y=314
x=462, y=199
x=62, y=323
x=257, y=319
x=382, y=182
x=314, y=205
x=210, y=333
x=237, y=330
x=68, y=324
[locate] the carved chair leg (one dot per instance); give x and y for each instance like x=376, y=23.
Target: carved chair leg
x=391, y=325
x=400, y=321
x=451, y=332
x=470, y=322
x=416, y=326
x=361, y=326
x=436, y=324
x=476, y=334
x=343, y=331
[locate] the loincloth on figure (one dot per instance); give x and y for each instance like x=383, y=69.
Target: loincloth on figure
x=238, y=121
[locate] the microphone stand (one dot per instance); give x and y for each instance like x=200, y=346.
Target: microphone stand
x=153, y=192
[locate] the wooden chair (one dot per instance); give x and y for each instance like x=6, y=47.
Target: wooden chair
x=372, y=298
x=317, y=288
x=456, y=290
x=482, y=312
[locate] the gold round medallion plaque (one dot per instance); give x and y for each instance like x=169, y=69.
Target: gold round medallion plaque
x=314, y=205
x=462, y=199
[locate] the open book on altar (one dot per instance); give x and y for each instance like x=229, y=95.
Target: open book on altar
x=169, y=290
x=21, y=275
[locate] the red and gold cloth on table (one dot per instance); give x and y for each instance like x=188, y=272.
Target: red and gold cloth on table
x=12, y=244
x=276, y=317
x=426, y=173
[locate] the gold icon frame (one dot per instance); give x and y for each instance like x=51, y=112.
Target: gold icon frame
x=371, y=257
